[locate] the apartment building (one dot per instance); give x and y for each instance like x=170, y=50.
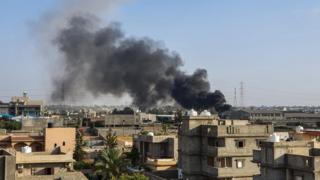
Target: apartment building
x=212, y=148
x=288, y=160
x=158, y=152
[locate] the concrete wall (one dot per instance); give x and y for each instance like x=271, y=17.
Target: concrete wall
x=65, y=138
x=7, y=166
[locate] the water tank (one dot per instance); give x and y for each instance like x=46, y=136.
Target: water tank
x=274, y=138
x=150, y=134
x=205, y=113
x=299, y=129
x=192, y=112
x=26, y=149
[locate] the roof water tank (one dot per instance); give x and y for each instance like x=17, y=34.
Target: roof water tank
x=299, y=129
x=192, y=112
x=274, y=138
x=26, y=149
x=150, y=134
x=205, y=113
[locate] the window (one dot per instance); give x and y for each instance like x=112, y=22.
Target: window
x=240, y=143
x=259, y=141
x=63, y=143
x=224, y=162
x=240, y=163
x=210, y=161
x=216, y=142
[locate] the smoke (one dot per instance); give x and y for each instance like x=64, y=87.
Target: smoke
x=105, y=61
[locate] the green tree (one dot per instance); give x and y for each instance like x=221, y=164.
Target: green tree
x=111, y=140
x=111, y=164
x=78, y=152
x=135, y=176
x=133, y=156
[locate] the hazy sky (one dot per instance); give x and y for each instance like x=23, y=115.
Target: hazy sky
x=272, y=46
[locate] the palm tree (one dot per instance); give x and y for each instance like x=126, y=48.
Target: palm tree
x=111, y=164
x=111, y=140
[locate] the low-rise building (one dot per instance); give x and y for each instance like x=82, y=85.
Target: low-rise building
x=211, y=148
x=158, y=152
x=288, y=160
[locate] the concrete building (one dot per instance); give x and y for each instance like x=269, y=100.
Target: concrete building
x=266, y=115
x=43, y=163
x=23, y=105
x=37, y=124
x=128, y=119
x=158, y=152
x=47, y=141
x=211, y=148
x=7, y=165
x=63, y=137
x=293, y=160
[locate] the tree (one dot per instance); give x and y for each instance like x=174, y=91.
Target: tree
x=135, y=176
x=111, y=140
x=111, y=164
x=134, y=156
x=78, y=152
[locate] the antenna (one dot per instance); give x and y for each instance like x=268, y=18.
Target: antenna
x=235, y=98
x=241, y=94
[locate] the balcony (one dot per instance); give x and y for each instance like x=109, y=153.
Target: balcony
x=43, y=157
x=227, y=152
x=231, y=172
x=239, y=131
x=154, y=139
x=161, y=164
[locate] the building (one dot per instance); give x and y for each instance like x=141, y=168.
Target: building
x=128, y=119
x=158, y=152
x=48, y=140
x=266, y=115
x=288, y=160
x=48, y=154
x=211, y=148
x=43, y=163
x=22, y=106
x=63, y=137
x=7, y=165
x=37, y=124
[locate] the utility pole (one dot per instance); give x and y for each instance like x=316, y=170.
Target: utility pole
x=241, y=94
x=235, y=97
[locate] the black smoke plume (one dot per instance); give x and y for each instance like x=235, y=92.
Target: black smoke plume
x=104, y=61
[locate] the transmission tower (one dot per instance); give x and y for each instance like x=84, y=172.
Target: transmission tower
x=241, y=94
x=235, y=98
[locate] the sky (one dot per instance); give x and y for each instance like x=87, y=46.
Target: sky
x=273, y=46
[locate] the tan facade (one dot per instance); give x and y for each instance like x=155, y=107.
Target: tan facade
x=65, y=138
x=297, y=160
x=158, y=152
x=210, y=148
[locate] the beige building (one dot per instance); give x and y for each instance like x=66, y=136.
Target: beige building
x=293, y=160
x=63, y=137
x=158, y=152
x=211, y=148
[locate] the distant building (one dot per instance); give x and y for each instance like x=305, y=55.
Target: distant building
x=296, y=160
x=22, y=106
x=266, y=115
x=211, y=148
x=158, y=152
